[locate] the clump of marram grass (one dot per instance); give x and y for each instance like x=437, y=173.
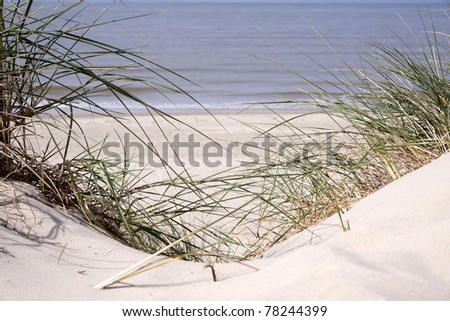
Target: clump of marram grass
x=390, y=120
x=50, y=66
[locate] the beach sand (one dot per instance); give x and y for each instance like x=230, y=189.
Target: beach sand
x=397, y=248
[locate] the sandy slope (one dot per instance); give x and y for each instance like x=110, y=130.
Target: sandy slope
x=398, y=248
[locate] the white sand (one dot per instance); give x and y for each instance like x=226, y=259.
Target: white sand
x=398, y=248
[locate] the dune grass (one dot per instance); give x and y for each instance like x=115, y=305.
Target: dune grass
x=50, y=72
x=392, y=118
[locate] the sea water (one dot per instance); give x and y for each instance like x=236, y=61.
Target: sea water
x=235, y=54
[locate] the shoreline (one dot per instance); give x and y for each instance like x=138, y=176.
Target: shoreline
x=200, y=111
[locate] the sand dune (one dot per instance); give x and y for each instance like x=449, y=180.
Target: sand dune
x=398, y=248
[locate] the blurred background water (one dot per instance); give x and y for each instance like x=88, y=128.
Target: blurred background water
x=239, y=53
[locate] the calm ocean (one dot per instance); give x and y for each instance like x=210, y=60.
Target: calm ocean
x=241, y=53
